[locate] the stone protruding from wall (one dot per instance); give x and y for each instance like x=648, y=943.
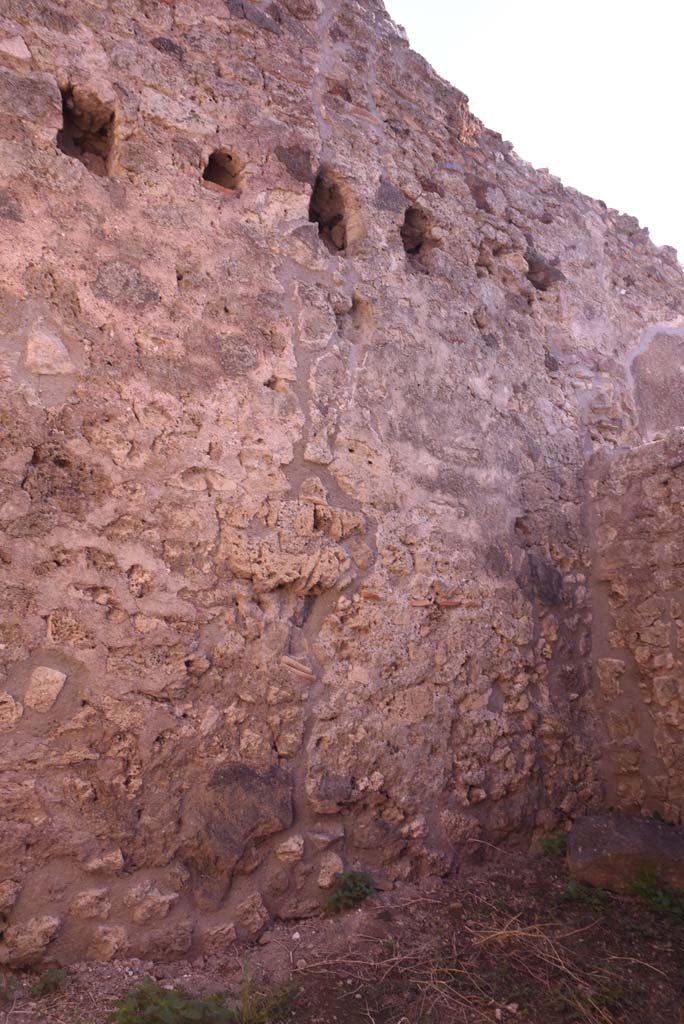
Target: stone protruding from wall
x=637, y=514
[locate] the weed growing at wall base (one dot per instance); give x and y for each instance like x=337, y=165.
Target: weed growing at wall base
x=586, y=895
x=554, y=845
x=51, y=981
x=9, y=986
x=149, y=1003
x=658, y=896
x=350, y=888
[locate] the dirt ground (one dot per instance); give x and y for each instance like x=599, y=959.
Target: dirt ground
x=504, y=942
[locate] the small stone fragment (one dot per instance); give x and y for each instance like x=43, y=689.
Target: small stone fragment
x=331, y=865
x=252, y=915
x=92, y=903
x=110, y=863
x=108, y=940
x=217, y=938
x=148, y=902
x=324, y=837
x=45, y=686
x=23, y=944
x=10, y=712
x=291, y=849
x=167, y=942
x=46, y=354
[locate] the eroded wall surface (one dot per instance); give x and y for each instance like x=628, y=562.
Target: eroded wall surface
x=300, y=369
x=638, y=511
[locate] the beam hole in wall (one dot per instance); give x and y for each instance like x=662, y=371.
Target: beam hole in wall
x=327, y=209
x=87, y=131
x=416, y=236
x=222, y=171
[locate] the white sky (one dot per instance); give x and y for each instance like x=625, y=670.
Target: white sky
x=591, y=89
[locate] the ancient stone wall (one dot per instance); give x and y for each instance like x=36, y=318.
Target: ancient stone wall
x=638, y=599
x=300, y=369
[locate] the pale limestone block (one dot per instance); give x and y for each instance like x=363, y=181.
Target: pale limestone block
x=24, y=943
x=45, y=686
x=92, y=903
x=216, y=938
x=108, y=941
x=46, y=353
x=148, y=903
x=252, y=915
x=331, y=865
x=291, y=849
x=110, y=863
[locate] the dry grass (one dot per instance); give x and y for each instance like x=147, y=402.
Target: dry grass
x=491, y=966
